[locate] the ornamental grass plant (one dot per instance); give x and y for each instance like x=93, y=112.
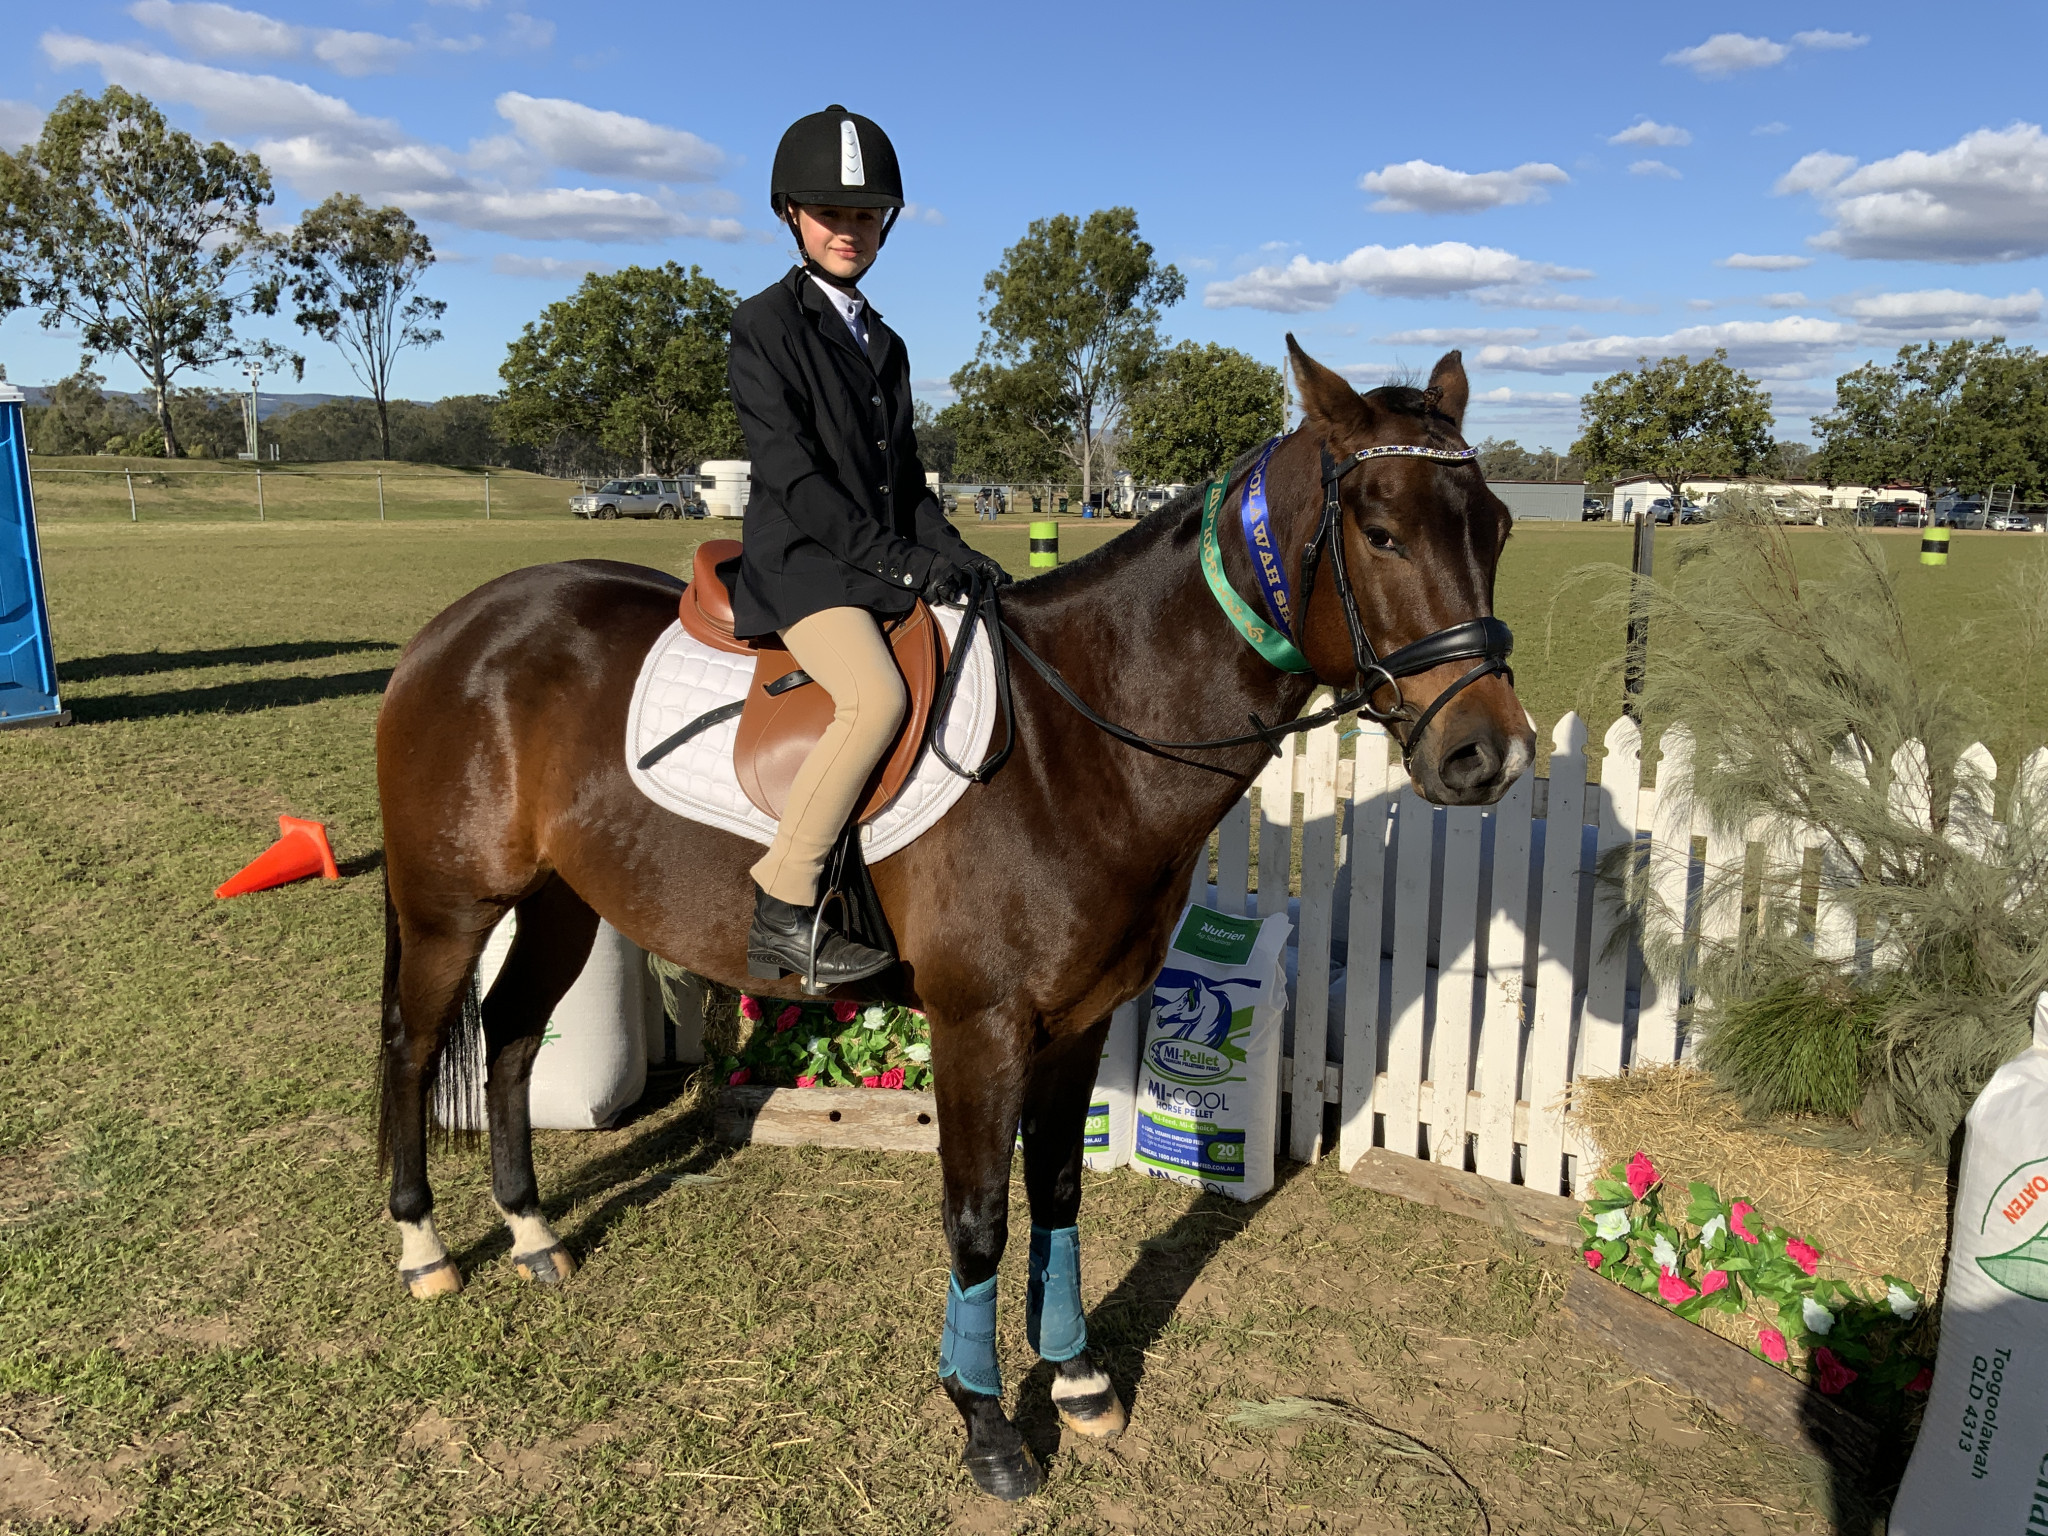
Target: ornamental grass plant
x=1804, y=699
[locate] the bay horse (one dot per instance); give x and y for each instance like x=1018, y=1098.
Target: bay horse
x=1044, y=899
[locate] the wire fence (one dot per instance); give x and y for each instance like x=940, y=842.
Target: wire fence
x=278, y=493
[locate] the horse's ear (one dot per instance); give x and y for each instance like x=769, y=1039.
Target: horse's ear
x=1326, y=397
x=1453, y=391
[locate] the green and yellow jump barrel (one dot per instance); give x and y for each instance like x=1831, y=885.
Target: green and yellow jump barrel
x=1045, y=544
x=1934, y=546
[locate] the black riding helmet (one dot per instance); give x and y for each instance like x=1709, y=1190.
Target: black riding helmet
x=836, y=159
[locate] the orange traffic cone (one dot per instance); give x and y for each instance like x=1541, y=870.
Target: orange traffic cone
x=301, y=849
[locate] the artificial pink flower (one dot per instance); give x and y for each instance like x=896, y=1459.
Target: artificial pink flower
x=741, y=1076
x=843, y=1011
x=1736, y=1212
x=1642, y=1173
x=750, y=1008
x=1713, y=1280
x=1832, y=1373
x=871, y=1082
x=1593, y=1258
x=893, y=1078
x=1674, y=1288
x=1921, y=1382
x=1772, y=1343
x=805, y=1081
x=787, y=1018
x=1805, y=1255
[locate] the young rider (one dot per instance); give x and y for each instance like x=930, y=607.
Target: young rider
x=840, y=530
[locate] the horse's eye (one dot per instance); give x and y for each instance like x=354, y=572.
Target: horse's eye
x=1379, y=538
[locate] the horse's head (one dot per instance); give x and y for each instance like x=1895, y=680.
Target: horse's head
x=1422, y=538
x=1192, y=1007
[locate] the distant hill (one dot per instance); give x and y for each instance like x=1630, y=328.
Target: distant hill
x=267, y=404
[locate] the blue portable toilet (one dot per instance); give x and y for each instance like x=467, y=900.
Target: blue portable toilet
x=28, y=668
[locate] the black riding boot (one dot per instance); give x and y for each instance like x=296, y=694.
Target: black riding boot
x=780, y=942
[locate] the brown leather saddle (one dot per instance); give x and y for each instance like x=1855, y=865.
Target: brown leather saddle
x=784, y=712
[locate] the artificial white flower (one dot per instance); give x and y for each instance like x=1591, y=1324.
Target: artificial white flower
x=1665, y=1255
x=917, y=1050
x=1713, y=1231
x=1611, y=1225
x=875, y=1017
x=1905, y=1306
x=1818, y=1318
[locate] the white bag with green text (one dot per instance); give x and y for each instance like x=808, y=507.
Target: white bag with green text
x=1981, y=1463
x=1209, y=1071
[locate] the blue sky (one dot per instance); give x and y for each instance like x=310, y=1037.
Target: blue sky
x=1553, y=189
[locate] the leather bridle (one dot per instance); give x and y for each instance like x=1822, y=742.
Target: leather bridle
x=1486, y=640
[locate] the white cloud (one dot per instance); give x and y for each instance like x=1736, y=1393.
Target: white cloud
x=1814, y=173
x=1535, y=296
x=1418, y=186
x=552, y=268
x=1742, y=261
x=1943, y=312
x=1830, y=41
x=1793, y=347
x=1699, y=303
x=1646, y=131
x=1655, y=168
x=20, y=122
x=1459, y=336
x=214, y=31
x=320, y=144
x=1502, y=395
x=524, y=31
x=230, y=101
x=1411, y=271
x=602, y=143
x=1792, y=300
x=1728, y=53
x=1764, y=130
x=1982, y=199
x=920, y=213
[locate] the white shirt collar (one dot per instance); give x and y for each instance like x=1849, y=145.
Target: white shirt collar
x=849, y=305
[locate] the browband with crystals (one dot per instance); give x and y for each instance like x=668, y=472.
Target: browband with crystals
x=1404, y=450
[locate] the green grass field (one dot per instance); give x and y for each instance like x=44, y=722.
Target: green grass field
x=200, y=1326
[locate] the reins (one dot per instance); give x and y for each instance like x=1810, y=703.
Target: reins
x=1486, y=639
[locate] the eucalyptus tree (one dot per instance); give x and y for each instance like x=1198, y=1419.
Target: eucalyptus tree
x=1675, y=420
x=633, y=359
x=1197, y=410
x=1962, y=413
x=354, y=272
x=1073, y=314
x=141, y=238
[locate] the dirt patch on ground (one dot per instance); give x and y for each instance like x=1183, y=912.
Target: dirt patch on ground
x=32, y=1489
x=28, y=1183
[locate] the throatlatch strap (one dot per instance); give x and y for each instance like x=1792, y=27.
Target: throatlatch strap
x=967, y=1349
x=1052, y=1296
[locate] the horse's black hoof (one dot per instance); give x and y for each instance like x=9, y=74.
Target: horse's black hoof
x=551, y=1266
x=1006, y=1475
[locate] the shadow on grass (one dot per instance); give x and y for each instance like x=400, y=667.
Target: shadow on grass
x=638, y=1172
x=229, y=698
x=1130, y=1319
x=86, y=669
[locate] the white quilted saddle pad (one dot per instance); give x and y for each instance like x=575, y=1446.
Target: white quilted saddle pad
x=682, y=678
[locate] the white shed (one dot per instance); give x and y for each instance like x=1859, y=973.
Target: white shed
x=1555, y=500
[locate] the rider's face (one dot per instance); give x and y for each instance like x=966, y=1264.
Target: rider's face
x=841, y=240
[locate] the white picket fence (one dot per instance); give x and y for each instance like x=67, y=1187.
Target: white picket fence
x=1481, y=967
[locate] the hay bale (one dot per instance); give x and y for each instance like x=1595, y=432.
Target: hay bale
x=1871, y=1212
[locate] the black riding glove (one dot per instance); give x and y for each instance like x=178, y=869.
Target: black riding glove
x=953, y=571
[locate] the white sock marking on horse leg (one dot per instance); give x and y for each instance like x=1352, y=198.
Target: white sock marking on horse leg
x=530, y=1234
x=420, y=1245
x=1065, y=1386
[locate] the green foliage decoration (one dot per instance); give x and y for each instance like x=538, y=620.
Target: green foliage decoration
x=830, y=1045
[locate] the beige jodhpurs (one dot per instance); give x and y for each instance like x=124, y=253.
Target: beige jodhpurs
x=843, y=650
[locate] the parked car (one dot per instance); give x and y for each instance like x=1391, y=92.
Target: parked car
x=1910, y=516
x=1592, y=510
x=2012, y=522
x=1962, y=514
x=1660, y=509
x=1883, y=514
x=643, y=496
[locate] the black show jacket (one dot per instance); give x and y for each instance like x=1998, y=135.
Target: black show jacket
x=839, y=515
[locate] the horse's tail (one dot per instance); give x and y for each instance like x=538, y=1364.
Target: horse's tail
x=454, y=1071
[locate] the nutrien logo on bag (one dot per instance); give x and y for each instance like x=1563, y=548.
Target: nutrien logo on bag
x=1199, y=1022
x=2018, y=1210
